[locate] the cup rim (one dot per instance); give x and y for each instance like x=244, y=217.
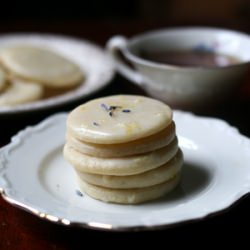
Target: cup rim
x=131, y=56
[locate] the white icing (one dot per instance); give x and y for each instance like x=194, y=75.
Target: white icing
x=135, y=117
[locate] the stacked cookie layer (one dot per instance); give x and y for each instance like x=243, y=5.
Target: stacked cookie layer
x=124, y=149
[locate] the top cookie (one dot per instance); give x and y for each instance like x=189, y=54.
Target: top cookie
x=41, y=65
x=118, y=119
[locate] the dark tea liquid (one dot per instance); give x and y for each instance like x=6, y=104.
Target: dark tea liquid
x=189, y=58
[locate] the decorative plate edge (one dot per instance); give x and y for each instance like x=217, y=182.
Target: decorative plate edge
x=52, y=120
x=221, y=124
x=93, y=225
x=18, y=139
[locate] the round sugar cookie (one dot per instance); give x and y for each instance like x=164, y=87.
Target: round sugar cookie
x=20, y=92
x=120, y=166
x=118, y=119
x=41, y=65
x=2, y=79
x=129, y=196
x=140, y=146
x=146, y=179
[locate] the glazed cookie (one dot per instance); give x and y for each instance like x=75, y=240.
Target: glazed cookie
x=41, y=65
x=129, y=196
x=20, y=92
x=118, y=119
x=146, y=179
x=123, y=148
x=140, y=146
x=123, y=165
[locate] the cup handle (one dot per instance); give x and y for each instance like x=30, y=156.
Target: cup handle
x=119, y=43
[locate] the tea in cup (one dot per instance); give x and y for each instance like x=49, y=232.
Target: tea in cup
x=188, y=68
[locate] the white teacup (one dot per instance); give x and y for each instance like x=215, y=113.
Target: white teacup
x=184, y=87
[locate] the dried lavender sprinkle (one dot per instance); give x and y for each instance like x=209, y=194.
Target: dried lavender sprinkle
x=126, y=110
x=114, y=107
x=103, y=105
x=79, y=193
x=96, y=124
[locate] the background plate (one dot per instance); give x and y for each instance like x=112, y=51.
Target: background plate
x=92, y=59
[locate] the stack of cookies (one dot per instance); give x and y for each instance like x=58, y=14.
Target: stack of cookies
x=124, y=149
x=30, y=73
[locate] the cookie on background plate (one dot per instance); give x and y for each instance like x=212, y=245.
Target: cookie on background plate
x=20, y=92
x=41, y=65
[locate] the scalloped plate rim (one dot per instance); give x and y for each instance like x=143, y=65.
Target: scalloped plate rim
x=51, y=121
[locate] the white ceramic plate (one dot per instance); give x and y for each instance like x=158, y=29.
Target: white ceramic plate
x=34, y=176
x=93, y=60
